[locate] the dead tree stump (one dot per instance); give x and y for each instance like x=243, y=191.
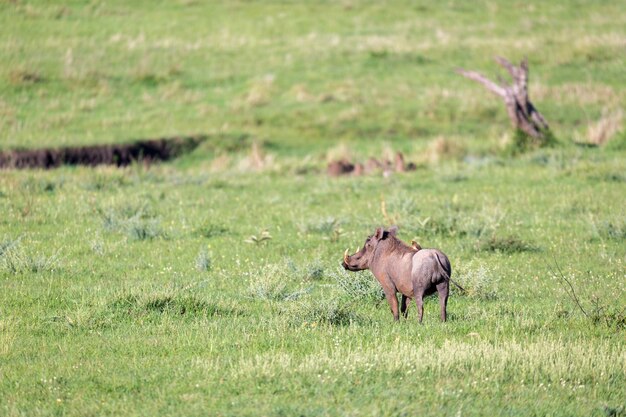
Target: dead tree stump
x=523, y=114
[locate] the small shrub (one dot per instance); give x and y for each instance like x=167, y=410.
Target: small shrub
x=609, y=229
x=522, y=142
x=143, y=229
x=507, y=244
x=454, y=222
x=358, y=286
x=179, y=305
x=7, y=244
x=137, y=223
x=599, y=311
x=323, y=226
x=14, y=260
x=97, y=247
x=210, y=230
x=271, y=283
x=313, y=271
x=478, y=281
x=618, y=411
x=330, y=310
x=203, y=261
x=605, y=312
x=328, y=226
x=154, y=307
x=443, y=226
x=41, y=186
x=105, y=181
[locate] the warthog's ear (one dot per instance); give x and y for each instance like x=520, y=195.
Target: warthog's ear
x=378, y=234
x=393, y=230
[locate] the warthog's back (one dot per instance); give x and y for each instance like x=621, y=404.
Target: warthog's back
x=430, y=266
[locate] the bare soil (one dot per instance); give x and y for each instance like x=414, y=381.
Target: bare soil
x=147, y=151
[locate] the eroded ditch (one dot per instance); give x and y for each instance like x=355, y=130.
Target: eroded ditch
x=148, y=151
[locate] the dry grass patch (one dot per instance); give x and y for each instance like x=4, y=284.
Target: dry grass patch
x=257, y=159
x=578, y=93
x=20, y=77
x=442, y=148
x=259, y=93
x=604, y=129
x=339, y=152
x=571, y=364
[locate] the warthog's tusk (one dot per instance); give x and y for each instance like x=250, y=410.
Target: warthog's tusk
x=358, y=249
x=345, y=256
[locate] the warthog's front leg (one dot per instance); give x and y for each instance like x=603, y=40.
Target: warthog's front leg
x=393, y=303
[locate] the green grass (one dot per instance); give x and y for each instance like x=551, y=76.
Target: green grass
x=298, y=73
x=124, y=325
x=211, y=285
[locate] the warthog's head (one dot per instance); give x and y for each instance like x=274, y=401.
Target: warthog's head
x=363, y=256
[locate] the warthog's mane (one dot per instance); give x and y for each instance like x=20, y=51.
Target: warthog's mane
x=393, y=244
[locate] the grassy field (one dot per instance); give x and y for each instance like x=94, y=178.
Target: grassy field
x=211, y=285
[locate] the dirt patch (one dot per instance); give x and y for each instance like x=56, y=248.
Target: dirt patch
x=373, y=165
x=147, y=151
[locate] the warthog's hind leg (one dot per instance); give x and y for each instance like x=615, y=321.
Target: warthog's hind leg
x=419, y=301
x=404, y=308
x=443, y=289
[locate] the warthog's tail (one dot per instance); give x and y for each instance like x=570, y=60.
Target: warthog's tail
x=460, y=288
x=447, y=274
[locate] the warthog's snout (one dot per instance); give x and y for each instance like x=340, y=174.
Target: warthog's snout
x=352, y=263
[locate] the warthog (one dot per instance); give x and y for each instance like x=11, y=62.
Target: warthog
x=410, y=270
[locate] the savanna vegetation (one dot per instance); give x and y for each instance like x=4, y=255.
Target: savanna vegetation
x=211, y=284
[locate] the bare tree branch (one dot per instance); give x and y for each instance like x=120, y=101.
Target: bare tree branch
x=522, y=113
x=571, y=291
x=507, y=66
x=491, y=86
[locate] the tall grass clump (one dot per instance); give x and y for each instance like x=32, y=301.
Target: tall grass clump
x=330, y=227
x=7, y=244
x=313, y=271
x=330, y=310
x=604, y=129
x=479, y=281
x=137, y=223
x=152, y=307
x=338, y=306
x=15, y=260
x=359, y=286
x=614, y=229
x=522, y=142
x=505, y=244
x=203, y=261
x=598, y=310
x=454, y=222
x=484, y=226
x=210, y=230
x=442, y=148
x=274, y=282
